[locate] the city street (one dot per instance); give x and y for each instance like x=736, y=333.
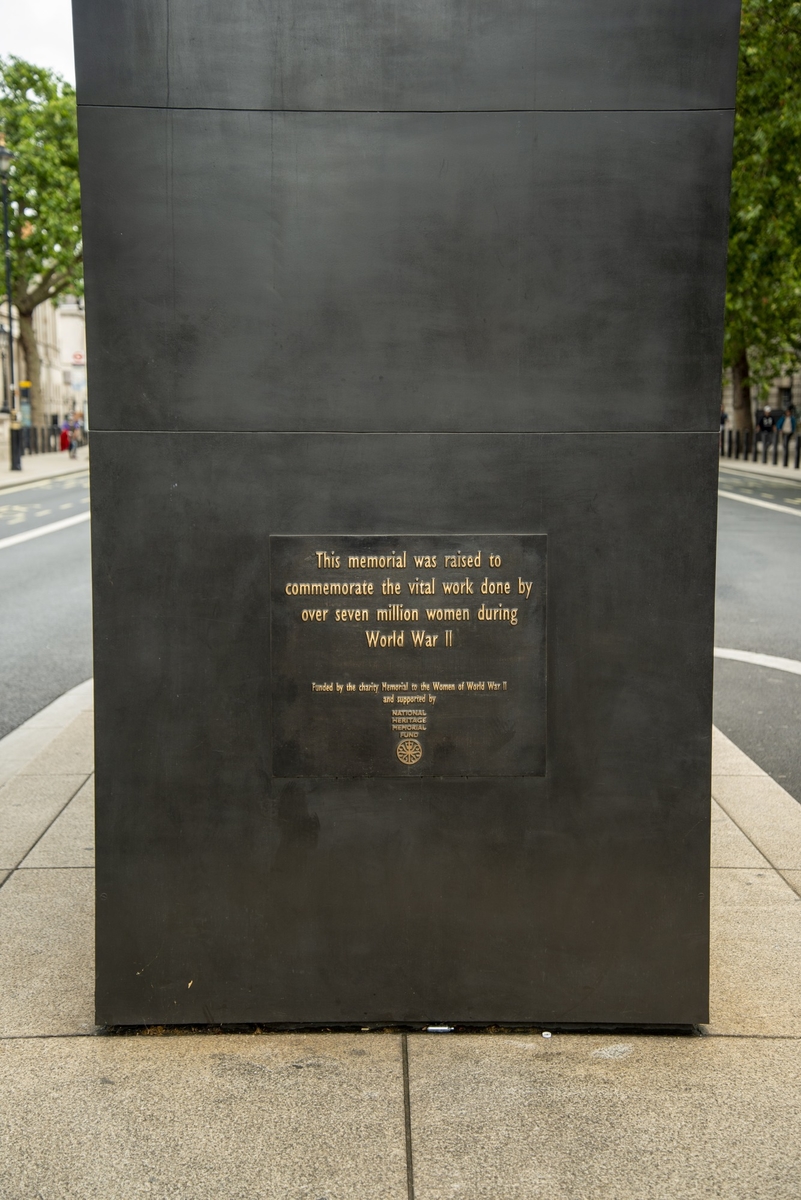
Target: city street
x=45, y=598
x=758, y=585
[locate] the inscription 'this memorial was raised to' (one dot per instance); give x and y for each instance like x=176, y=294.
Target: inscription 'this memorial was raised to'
x=350, y=614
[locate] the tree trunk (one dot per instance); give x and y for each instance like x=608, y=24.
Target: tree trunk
x=33, y=367
x=741, y=394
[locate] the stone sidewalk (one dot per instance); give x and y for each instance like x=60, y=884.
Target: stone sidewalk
x=380, y=1116
x=36, y=467
x=766, y=470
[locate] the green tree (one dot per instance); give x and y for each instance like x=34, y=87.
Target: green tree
x=38, y=119
x=763, y=300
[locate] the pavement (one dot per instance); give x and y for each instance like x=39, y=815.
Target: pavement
x=85, y=1114
x=43, y=466
x=759, y=468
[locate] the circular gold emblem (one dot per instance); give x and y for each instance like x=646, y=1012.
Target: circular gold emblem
x=409, y=751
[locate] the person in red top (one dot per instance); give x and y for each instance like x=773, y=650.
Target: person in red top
x=64, y=441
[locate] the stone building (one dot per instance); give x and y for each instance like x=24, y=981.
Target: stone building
x=783, y=391
x=60, y=330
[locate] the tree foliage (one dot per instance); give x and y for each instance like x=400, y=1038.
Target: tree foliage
x=763, y=301
x=38, y=119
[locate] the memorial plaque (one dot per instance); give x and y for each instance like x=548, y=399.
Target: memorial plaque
x=408, y=655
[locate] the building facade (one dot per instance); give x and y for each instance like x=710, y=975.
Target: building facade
x=60, y=330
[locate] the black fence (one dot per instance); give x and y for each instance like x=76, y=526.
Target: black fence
x=46, y=439
x=775, y=447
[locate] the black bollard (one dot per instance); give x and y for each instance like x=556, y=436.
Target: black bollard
x=737, y=443
x=747, y=445
x=16, y=448
x=786, y=453
x=797, y=452
x=775, y=447
x=730, y=440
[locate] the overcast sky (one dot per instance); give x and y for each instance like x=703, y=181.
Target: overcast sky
x=41, y=31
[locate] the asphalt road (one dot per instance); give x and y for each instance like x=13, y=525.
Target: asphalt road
x=45, y=598
x=758, y=595
x=45, y=634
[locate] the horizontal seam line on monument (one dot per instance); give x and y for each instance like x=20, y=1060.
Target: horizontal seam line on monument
x=401, y=112
x=422, y=432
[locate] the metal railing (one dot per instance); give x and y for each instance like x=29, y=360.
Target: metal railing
x=45, y=439
x=775, y=447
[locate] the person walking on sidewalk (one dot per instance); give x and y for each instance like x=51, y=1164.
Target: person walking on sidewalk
x=788, y=425
x=765, y=424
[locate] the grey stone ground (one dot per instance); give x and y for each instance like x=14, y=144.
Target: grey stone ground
x=42, y=466
x=328, y=1116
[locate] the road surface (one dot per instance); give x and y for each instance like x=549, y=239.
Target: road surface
x=45, y=598
x=758, y=607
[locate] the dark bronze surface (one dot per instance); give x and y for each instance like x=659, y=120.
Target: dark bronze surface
x=408, y=54
x=408, y=656
x=430, y=270
x=437, y=271
x=580, y=895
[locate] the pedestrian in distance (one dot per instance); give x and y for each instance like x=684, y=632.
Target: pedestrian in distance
x=64, y=437
x=765, y=424
x=788, y=425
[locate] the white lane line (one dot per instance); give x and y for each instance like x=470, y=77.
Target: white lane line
x=761, y=660
x=54, y=527
x=791, y=512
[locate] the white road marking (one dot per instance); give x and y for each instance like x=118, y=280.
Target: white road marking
x=761, y=660
x=791, y=512
x=15, y=540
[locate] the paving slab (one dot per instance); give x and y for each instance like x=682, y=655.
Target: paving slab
x=755, y=888
x=28, y=804
x=18, y=748
x=574, y=1118
x=70, y=840
x=47, y=968
x=755, y=961
x=59, y=714
x=276, y=1117
x=70, y=752
x=38, y=467
x=764, y=811
x=794, y=880
x=766, y=470
x=729, y=845
x=728, y=759
x=23, y=744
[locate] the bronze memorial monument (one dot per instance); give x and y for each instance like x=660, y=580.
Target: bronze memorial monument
x=405, y=322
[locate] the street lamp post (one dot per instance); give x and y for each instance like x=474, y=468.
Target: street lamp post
x=6, y=159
